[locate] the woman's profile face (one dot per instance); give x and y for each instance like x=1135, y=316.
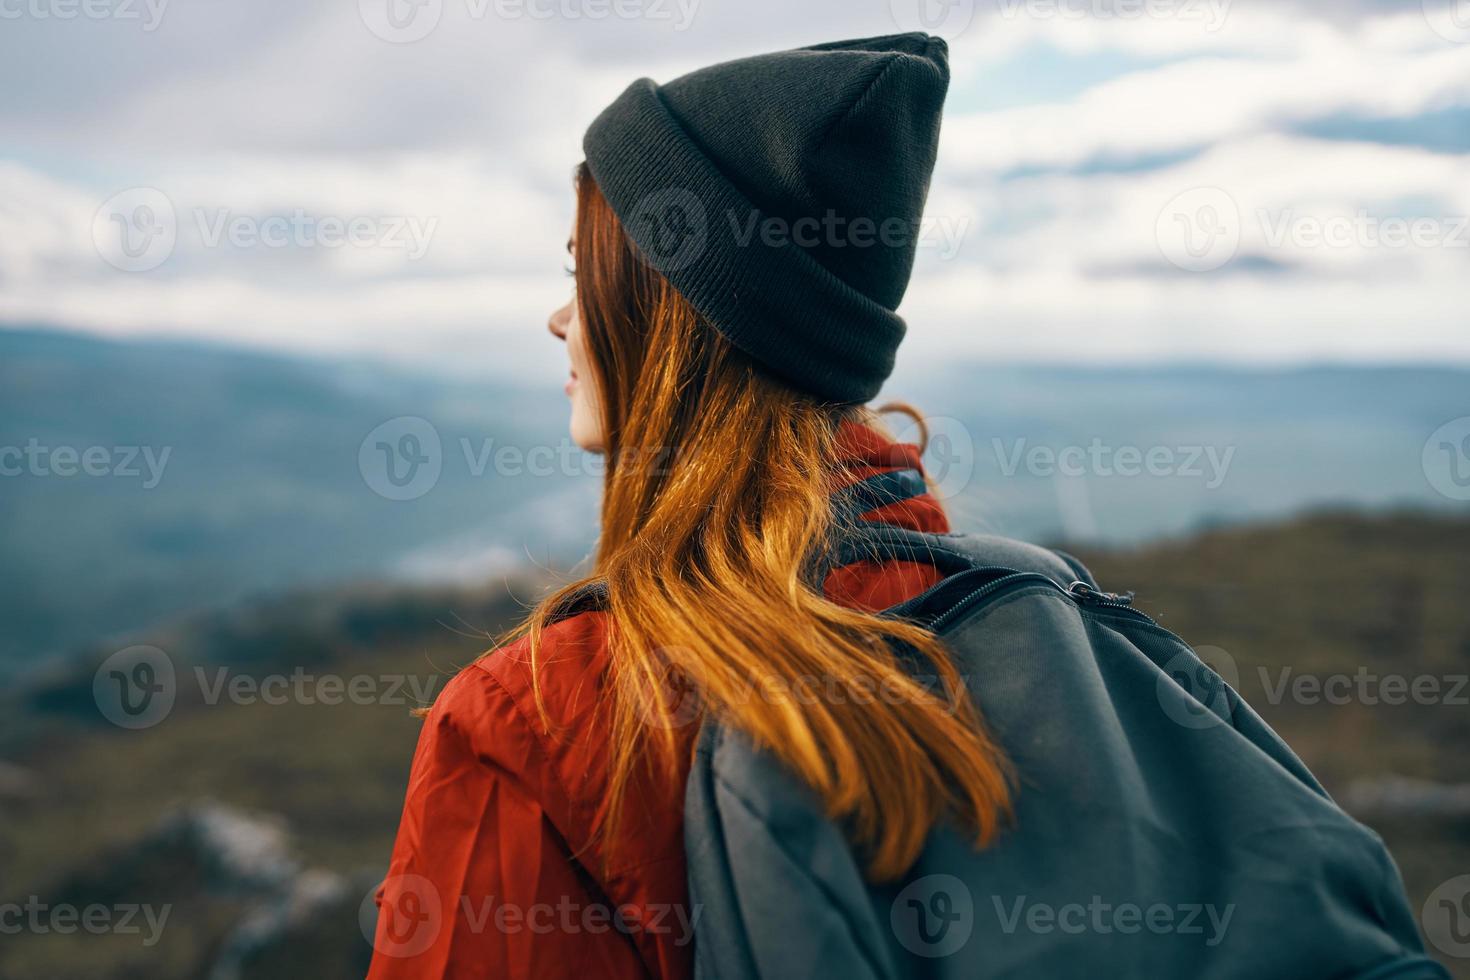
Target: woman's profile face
x=586, y=423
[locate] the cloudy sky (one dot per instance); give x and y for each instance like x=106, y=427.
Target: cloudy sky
x=1119, y=180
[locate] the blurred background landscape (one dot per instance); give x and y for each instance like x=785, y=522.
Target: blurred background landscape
x=1192, y=305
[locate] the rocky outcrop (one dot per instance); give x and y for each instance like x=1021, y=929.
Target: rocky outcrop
x=229, y=897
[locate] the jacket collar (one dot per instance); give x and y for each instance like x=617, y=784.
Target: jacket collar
x=883, y=481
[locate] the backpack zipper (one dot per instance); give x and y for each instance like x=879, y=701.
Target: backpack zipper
x=1087, y=593
x=986, y=590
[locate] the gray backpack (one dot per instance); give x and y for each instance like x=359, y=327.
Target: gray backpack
x=1161, y=829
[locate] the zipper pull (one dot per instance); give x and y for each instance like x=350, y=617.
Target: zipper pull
x=1086, y=593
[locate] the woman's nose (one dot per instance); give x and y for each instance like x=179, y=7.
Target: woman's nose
x=558, y=322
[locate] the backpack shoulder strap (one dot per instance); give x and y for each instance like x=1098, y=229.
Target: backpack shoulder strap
x=951, y=553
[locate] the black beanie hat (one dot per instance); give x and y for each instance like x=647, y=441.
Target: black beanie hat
x=781, y=195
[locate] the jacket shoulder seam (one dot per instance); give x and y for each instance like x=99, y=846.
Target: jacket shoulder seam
x=548, y=775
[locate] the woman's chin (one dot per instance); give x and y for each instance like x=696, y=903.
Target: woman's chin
x=587, y=437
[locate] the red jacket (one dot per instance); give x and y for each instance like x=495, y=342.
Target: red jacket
x=496, y=870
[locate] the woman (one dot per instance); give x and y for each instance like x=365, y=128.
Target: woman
x=743, y=235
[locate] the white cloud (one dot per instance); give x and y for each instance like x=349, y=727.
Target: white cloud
x=474, y=131
x=1204, y=100
x=1086, y=277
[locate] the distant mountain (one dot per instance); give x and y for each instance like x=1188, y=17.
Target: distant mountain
x=232, y=473
x=1164, y=451
x=240, y=472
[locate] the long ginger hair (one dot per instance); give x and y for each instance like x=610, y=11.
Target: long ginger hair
x=716, y=492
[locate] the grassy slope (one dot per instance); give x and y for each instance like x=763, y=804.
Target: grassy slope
x=1324, y=595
